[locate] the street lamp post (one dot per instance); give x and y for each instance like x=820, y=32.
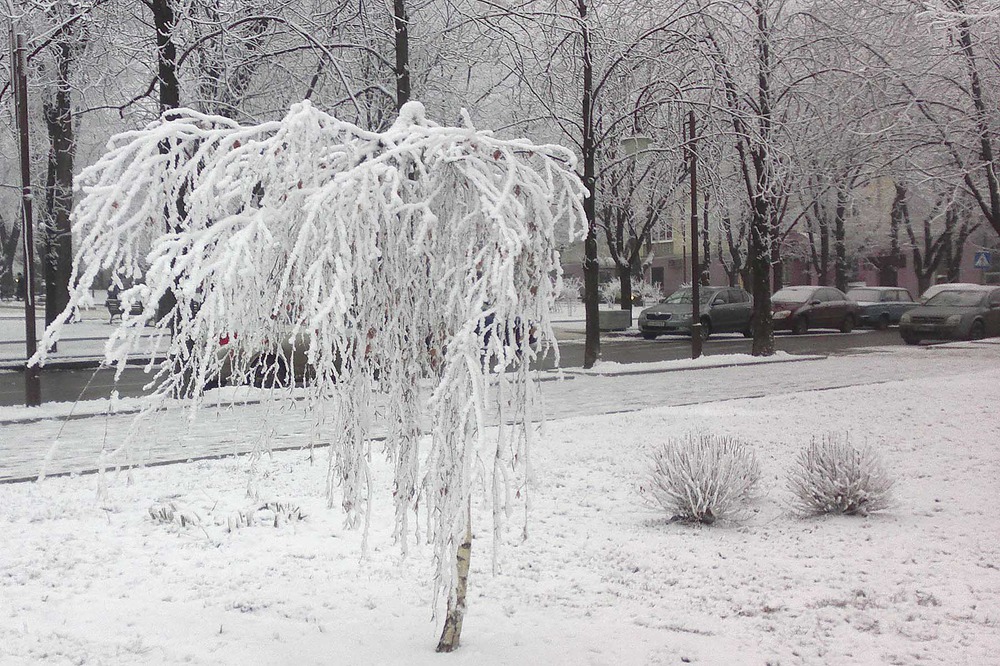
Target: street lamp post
x=695, y=268
x=19, y=81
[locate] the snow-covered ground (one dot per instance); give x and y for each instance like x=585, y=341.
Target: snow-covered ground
x=602, y=578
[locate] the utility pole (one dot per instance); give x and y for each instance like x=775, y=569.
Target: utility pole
x=695, y=269
x=19, y=80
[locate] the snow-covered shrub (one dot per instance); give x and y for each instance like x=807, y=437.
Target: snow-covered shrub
x=572, y=289
x=642, y=292
x=702, y=477
x=610, y=292
x=832, y=475
x=646, y=292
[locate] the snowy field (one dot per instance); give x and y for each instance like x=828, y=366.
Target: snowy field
x=88, y=577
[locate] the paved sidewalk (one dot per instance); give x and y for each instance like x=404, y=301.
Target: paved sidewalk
x=65, y=446
x=81, y=345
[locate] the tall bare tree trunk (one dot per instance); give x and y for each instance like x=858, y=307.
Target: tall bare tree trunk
x=591, y=268
x=58, y=237
x=840, y=241
x=452, y=632
x=989, y=202
x=164, y=22
x=889, y=274
x=625, y=279
x=401, y=25
x=706, y=245
x=762, y=222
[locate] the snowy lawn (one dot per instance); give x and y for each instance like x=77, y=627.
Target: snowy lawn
x=88, y=577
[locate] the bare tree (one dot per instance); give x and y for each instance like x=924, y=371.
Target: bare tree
x=587, y=74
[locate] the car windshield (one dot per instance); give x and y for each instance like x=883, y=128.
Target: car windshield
x=865, y=295
x=682, y=296
x=960, y=299
x=792, y=295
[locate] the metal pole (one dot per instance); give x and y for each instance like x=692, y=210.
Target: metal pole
x=695, y=270
x=32, y=374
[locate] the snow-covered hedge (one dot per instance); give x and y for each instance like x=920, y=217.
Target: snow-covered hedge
x=644, y=292
x=702, y=478
x=832, y=475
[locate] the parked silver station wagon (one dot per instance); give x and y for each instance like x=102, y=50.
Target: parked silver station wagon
x=723, y=310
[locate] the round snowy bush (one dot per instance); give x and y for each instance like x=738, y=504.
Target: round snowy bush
x=702, y=478
x=832, y=475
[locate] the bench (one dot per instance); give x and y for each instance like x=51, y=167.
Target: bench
x=114, y=307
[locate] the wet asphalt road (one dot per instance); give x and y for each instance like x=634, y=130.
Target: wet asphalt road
x=88, y=384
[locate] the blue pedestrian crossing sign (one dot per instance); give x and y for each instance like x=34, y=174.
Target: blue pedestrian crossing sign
x=983, y=260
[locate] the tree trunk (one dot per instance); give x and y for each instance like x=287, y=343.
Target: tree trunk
x=889, y=273
x=764, y=220
x=990, y=202
x=452, y=632
x=8, y=254
x=955, y=261
x=625, y=280
x=839, y=241
x=706, y=245
x=58, y=236
x=591, y=269
x=164, y=22
x=777, y=261
x=759, y=261
x=402, y=46
x=169, y=90
x=824, y=251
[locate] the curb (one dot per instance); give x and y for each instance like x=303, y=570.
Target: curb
x=79, y=363
x=550, y=376
x=625, y=372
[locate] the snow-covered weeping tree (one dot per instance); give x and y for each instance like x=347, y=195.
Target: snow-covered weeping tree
x=422, y=255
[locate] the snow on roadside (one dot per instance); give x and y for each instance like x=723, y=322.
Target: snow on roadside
x=714, y=361
x=601, y=579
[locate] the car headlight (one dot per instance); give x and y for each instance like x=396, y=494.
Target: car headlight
x=953, y=320
x=782, y=314
x=905, y=319
x=683, y=317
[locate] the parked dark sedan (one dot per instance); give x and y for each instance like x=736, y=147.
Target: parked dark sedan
x=723, y=310
x=881, y=306
x=966, y=313
x=797, y=309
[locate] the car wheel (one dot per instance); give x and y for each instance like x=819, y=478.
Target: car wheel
x=706, y=329
x=800, y=326
x=648, y=336
x=911, y=339
x=978, y=330
x=883, y=323
x=847, y=325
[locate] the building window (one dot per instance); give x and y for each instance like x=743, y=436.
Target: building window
x=662, y=231
x=657, y=276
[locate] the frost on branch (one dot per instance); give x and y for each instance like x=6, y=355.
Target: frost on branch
x=417, y=259
x=832, y=475
x=702, y=478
